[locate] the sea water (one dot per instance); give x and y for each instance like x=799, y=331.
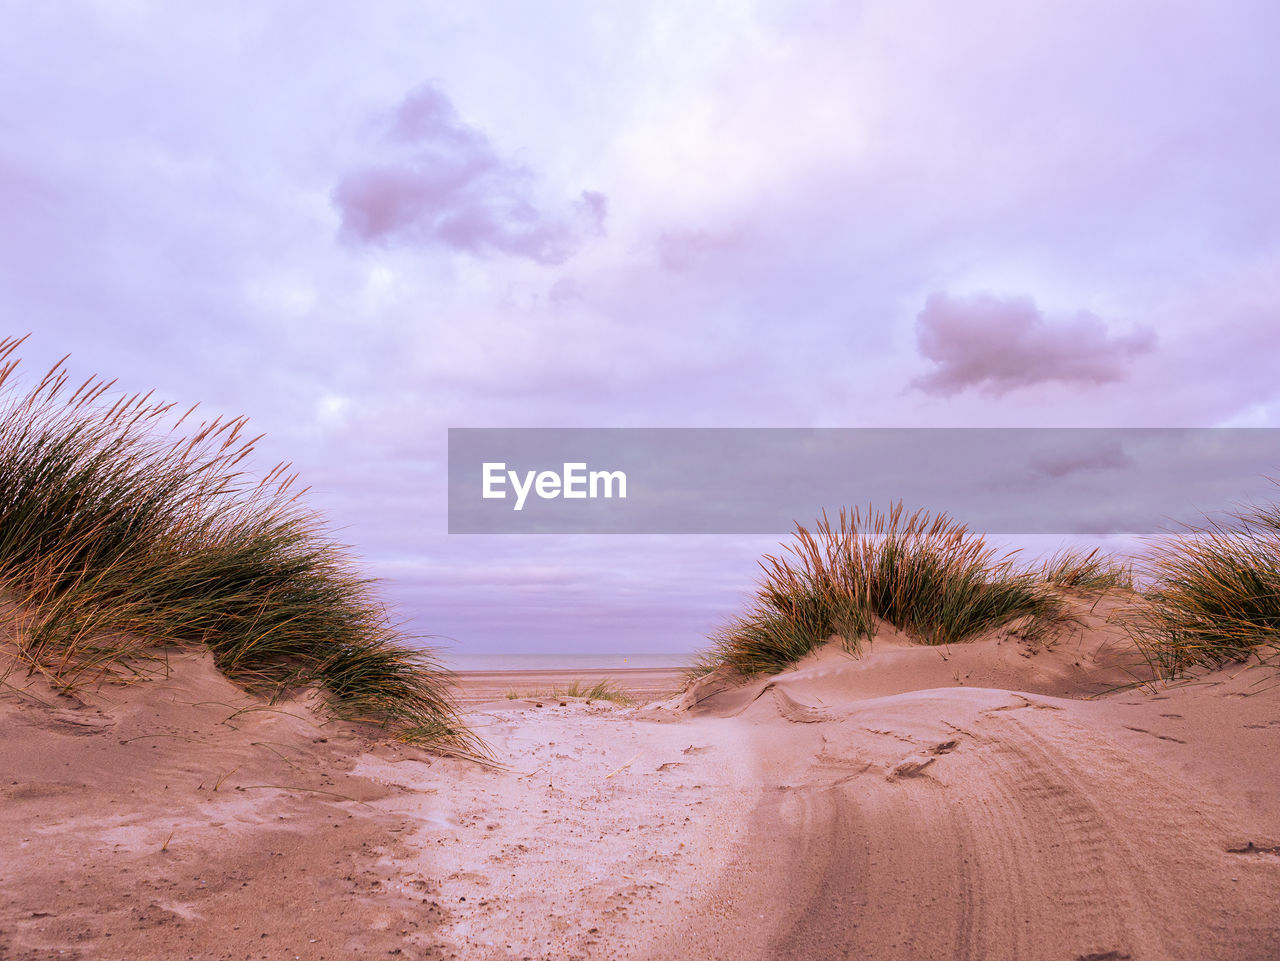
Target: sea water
x=459, y=661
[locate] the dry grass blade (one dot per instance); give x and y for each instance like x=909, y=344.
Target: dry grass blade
x=308, y=790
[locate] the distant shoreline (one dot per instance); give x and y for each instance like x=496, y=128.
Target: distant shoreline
x=641, y=683
x=602, y=661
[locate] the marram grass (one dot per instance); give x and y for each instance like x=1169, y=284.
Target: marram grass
x=927, y=575
x=121, y=532
x=1086, y=571
x=1215, y=593
x=1212, y=591
x=602, y=690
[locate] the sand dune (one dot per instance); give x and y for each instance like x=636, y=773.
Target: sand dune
x=178, y=818
x=990, y=823
x=972, y=802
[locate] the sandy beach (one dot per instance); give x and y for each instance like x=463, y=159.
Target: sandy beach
x=641, y=684
x=981, y=801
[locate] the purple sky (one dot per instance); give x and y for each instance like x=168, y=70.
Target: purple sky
x=363, y=224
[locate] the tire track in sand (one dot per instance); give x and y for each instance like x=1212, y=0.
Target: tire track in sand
x=1035, y=837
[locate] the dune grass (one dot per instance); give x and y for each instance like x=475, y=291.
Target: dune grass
x=1215, y=593
x=121, y=532
x=927, y=575
x=1086, y=570
x=600, y=691
x=1211, y=597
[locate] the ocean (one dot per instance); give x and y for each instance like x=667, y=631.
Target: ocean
x=561, y=662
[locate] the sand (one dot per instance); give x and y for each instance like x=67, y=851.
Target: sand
x=641, y=683
x=984, y=801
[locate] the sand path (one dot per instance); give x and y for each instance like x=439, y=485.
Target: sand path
x=840, y=811
x=984, y=824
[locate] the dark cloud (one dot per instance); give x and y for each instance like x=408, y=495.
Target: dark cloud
x=999, y=345
x=442, y=182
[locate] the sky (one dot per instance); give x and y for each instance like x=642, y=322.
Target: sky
x=363, y=224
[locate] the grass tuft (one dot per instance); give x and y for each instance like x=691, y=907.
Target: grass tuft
x=1215, y=594
x=1087, y=571
x=600, y=691
x=120, y=531
x=927, y=575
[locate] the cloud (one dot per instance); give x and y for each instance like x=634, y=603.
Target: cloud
x=1000, y=345
x=442, y=182
x=1104, y=457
